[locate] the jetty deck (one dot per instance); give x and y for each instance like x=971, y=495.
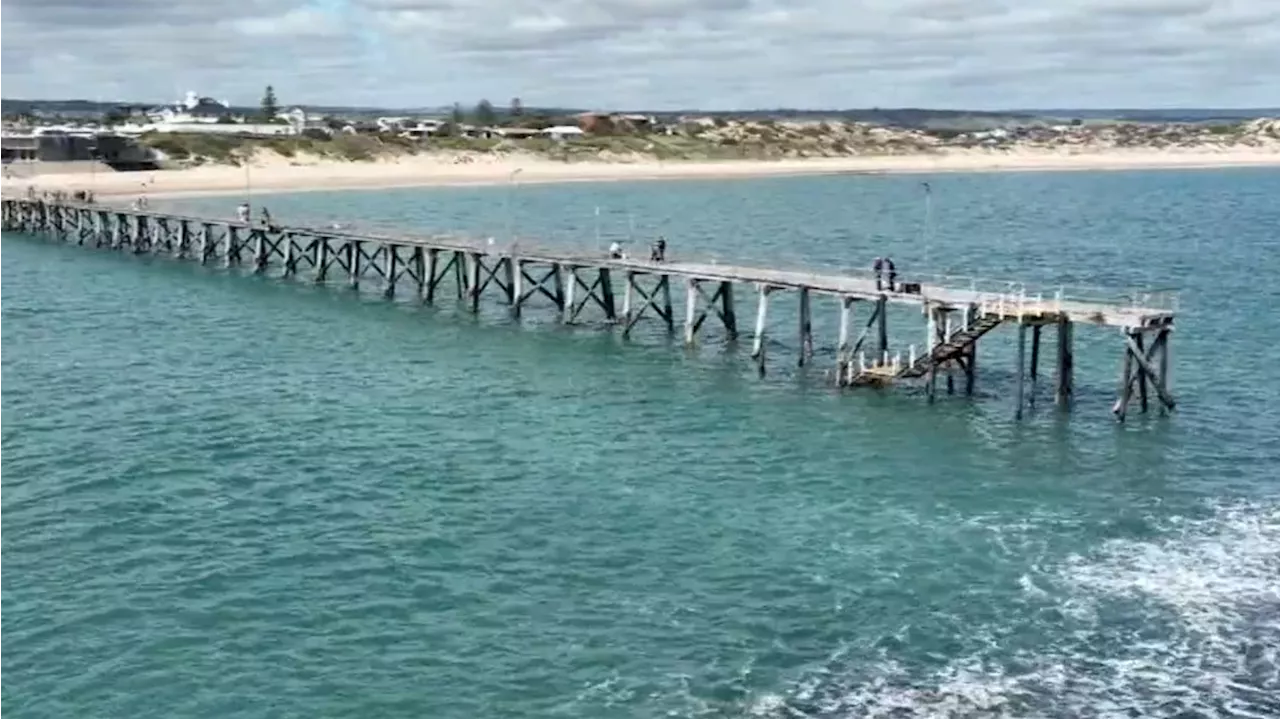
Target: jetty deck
x=583, y=286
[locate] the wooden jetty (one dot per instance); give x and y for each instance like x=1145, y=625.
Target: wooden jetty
x=957, y=317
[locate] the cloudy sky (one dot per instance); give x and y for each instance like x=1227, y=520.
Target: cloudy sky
x=660, y=54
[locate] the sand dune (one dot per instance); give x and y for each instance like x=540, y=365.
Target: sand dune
x=273, y=173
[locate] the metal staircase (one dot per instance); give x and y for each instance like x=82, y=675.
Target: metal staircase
x=959, y=342
x=890, y=369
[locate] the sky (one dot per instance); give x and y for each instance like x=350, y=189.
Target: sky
x=651, y=54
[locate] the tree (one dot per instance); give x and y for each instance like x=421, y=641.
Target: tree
x=517, y=107
x=269, y=105
x=484, y=113
x=115, y=116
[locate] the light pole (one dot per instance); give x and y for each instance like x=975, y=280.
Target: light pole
x=511, y=190
x=598, y=247
x=928, y=220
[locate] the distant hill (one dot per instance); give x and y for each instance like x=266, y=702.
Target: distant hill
x=1165, y=115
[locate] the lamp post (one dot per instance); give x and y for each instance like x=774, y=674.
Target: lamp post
x=928, y=219
x=599, y=248
x=511, y=189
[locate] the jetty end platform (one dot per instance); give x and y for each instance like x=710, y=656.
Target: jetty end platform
x=583, y=287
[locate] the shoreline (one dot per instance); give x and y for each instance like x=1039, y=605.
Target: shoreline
x=278, y=175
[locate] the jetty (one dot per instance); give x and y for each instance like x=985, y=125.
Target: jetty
x=584, y=287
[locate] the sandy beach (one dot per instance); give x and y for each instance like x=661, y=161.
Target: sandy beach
x=273, y=173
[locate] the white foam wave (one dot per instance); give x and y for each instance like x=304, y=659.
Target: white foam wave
x=1184, y=626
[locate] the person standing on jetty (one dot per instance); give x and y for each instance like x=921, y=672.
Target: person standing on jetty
x=659, y=251
x=892, y=272
x=243, y=212
x=878, y=267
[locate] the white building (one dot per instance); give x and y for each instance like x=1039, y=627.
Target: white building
x=563, y=132
x=192, y=109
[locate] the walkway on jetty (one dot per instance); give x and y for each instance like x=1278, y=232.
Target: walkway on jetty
x=957, y=316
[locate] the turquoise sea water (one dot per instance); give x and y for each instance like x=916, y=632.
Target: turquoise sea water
x=232, y=496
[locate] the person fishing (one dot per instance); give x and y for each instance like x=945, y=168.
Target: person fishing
x=659, y=252
x=892, y=273
x=878, y=268
x=615, y=250
x=243, y=212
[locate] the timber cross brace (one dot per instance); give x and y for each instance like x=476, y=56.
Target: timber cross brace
x=538, y=286
x=1147, y=366
x=600, y=291
x=720, y=302
x=658, y=298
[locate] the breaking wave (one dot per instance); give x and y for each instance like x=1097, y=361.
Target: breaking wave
x=1185, y=626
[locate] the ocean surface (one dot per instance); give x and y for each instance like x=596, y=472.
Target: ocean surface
x=233, y=496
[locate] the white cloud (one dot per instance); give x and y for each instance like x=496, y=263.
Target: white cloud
x=298, y=22
x=652, y=53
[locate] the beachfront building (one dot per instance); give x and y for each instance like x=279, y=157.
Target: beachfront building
x=193, y=108
x=563, y=132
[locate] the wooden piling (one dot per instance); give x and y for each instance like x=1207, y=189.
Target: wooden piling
x=389, y=261
x=628, y=292
x=762, y=311
x=1022, y=364
x=322, y=260
x=806, y=327
x=1142, y=373
x=727, y=312
x=1064, y=375
x=666, y=303
x=1126, y=384
x=517, y=285
x=690, y=310
x=353, y=264
x=570, y=283
x=882, y=327
x=1035, y=362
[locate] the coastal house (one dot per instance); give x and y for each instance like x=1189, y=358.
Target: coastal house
x=423, y=129
x=301, y=121
x=563, y=132
x=516, y=133
x=392, y=124
x=192, y=109
x=356, y=127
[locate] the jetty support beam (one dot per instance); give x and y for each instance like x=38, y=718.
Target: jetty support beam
x=1020, y=377
x=843, y=356
x=657, y=298
x=882, y=329
x=1064, y=376
x=806, y=327
x=600, y=291
x=762, y=313
x=1145, y=365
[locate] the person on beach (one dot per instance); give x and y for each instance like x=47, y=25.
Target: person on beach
x=878, y=267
